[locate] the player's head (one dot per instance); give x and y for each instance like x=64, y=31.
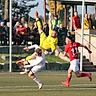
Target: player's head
x=39, y=51
x=75, y=13
x=86, y=15
x=54, y=33
x=69, y=39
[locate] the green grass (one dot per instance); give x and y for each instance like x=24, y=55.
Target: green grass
x=13, y=84
x=49, y=58
x=53, y=58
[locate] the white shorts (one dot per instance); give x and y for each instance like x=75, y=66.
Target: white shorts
x=74, y=65
x=37, y=68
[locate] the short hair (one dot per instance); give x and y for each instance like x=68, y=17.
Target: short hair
x=71, y=38
x=39, y=51
x=55, y=29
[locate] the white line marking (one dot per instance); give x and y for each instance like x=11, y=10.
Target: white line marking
x=88, y=86
x=55, y=89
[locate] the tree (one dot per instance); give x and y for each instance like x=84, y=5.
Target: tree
x=5, y=8
x=22, y=7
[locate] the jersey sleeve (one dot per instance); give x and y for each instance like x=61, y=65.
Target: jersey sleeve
x=33, y=46
x=34, y=63
x=78, y=44
x=66, y=49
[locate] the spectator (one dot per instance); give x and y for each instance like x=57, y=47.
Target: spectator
x=46, y=28
x=23, y=21
x=90, y=21
x=34, y=35
x=14, y=19
x=15, y=37
x=94, y=23
x=56, y=22
x=86, y=22
x=21, y=34
x=50, y=21
x=3, y=34
x=62, y=33
x=76, y=21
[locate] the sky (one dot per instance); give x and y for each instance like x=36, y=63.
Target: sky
x=40, y=9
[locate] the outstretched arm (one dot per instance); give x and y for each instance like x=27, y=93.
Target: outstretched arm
x=31, y=47
x=86, y=48
x=34, y=62
x=62, y=55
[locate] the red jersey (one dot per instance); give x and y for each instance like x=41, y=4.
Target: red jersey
x=76, y=22
x=22, y=30
x=72, y=50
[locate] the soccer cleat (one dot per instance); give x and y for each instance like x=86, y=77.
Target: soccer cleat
x=40, y=85
x=90, y=76
x=65, y=83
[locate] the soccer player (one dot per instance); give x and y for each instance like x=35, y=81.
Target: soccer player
x=49, y=42
x=71, y=48
x=34, y=65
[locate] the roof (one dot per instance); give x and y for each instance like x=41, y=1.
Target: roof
x=78, y=2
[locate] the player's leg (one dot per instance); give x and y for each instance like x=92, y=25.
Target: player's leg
x=74, y=68
x=84, y=74
x=42, y=37
x=68, y=79
x=33, y=76
x=20, y=61
x=81, y=74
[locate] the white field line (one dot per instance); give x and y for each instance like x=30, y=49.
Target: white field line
x=48, y=87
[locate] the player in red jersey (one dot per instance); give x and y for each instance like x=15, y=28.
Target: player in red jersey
x=71, y=48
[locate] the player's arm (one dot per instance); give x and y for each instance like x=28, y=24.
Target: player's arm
x=31, y=47
x=37, y=61
x=86, y=48
x=62, y=55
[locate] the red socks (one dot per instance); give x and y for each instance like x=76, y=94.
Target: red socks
x=68, y=79
x=84, y=74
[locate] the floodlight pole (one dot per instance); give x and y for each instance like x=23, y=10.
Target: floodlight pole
x=10, y=41
x=71, y=19
x=82, y=30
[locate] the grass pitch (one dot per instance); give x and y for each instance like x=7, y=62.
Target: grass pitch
x=13, y=84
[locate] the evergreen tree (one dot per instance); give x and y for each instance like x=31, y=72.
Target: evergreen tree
x=22, y=7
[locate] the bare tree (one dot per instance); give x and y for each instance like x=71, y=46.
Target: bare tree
x=6, y=9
